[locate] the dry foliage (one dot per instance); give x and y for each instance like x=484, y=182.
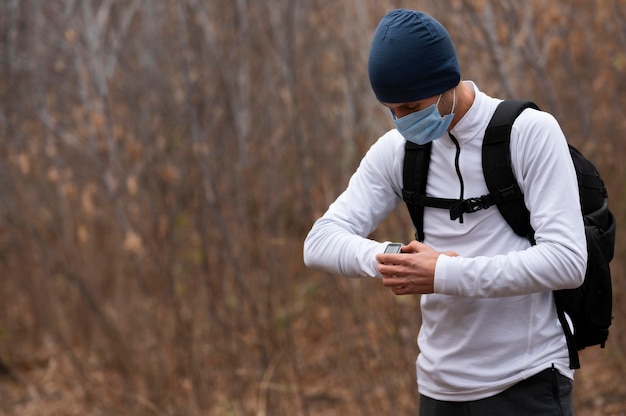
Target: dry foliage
x=162, y=161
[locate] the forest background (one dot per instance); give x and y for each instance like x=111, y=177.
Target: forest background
x=162, y=161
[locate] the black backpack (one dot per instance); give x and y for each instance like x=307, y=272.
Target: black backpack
x=588, y=306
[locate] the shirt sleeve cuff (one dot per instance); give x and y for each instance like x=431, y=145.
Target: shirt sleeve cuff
x=442, y=273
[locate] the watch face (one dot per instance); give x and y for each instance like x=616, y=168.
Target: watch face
x=393, y=248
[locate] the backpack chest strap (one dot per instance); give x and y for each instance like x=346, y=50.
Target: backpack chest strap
x=458, y=207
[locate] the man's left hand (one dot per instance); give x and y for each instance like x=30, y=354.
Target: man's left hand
x=413, y=271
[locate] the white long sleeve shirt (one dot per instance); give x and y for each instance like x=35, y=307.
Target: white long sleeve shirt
x=491, y=321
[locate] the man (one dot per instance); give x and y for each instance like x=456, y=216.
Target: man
x=490, y=341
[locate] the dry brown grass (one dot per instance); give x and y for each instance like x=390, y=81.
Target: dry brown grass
x=337, y=347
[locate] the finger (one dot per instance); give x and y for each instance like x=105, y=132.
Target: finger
x=413, y=245
x=389, y=259
x=403, y=290
x=393, y=282
x=385, y=269
x=398, y=290
x=417, y=246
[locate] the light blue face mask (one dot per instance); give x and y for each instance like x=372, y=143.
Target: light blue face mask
x=425, y=125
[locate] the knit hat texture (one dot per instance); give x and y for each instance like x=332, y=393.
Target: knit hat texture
x=411, y=58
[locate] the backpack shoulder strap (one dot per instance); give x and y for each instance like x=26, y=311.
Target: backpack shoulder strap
x=499, y=177
x=414, y=174
x=497, y=168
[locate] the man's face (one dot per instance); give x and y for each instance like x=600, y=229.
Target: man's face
x=400, y=110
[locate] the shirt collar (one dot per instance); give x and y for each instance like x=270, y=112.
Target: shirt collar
x=475, y=120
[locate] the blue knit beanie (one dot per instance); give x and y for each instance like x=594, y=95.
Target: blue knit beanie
x=412, y=58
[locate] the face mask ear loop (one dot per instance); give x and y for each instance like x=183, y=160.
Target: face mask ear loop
x=437, y=104
x=453, y=102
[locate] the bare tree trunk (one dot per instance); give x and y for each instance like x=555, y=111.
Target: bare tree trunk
x=487, y=27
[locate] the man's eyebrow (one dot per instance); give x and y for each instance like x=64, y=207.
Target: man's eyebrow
x=401, y=105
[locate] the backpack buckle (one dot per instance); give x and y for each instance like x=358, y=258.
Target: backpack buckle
x=466, y=206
